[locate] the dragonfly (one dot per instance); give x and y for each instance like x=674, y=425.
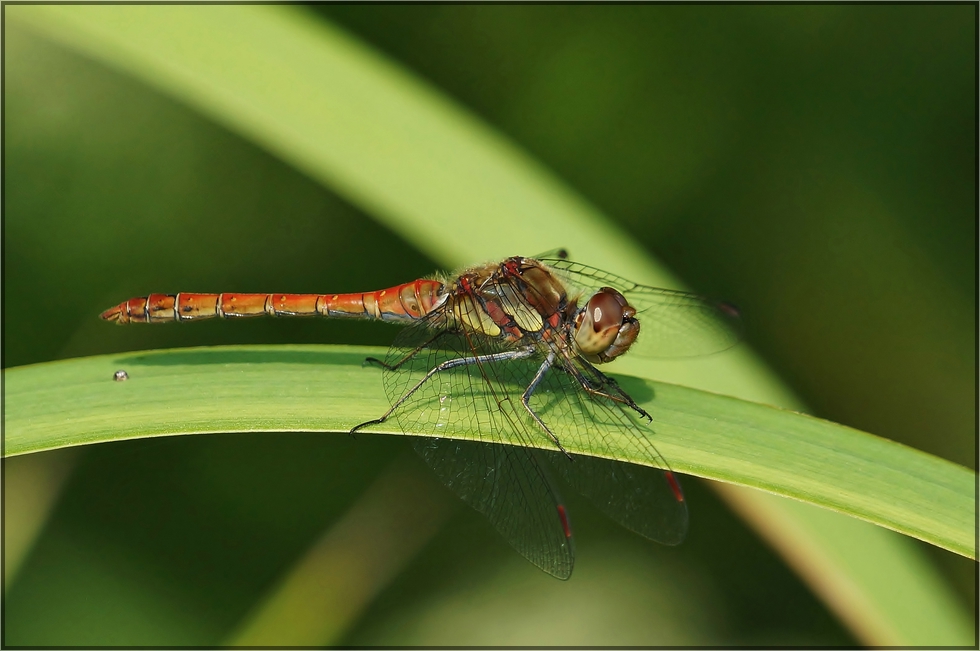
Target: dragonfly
x=508, y=351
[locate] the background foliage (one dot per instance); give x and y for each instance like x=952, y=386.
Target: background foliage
x=815, y=165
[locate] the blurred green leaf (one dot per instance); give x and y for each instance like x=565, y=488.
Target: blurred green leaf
x=358, y=557
x=327, y=389
x=350, y=118
x=929, y=617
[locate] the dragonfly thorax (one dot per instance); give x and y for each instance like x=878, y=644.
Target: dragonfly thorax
x=605, y=327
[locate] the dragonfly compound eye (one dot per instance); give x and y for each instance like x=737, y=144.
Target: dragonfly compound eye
x=605, y=327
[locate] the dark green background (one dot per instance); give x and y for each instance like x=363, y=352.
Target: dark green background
x=815, y=165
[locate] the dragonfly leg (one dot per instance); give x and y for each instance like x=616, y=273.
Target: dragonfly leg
x=526, y=400
x=521, y=353
x=604, y=381
x=397, y=365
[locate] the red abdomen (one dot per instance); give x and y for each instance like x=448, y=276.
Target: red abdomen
x=405, y=302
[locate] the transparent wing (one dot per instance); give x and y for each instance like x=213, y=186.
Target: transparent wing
x=508, y=484
x=646, y=500
x=672, y=323
x=511, y=487
x=559, y=253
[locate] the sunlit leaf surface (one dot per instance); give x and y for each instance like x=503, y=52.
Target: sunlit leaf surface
x=328, y=389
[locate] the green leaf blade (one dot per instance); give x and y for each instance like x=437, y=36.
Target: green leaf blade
x=328, y=389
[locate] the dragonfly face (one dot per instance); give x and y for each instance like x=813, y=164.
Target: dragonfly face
x=606, y=327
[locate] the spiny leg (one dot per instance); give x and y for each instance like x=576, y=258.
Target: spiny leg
x=522, y=353
x=526, y=400
x=605, y=381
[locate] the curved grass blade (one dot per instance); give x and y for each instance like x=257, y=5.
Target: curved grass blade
x=327, y=389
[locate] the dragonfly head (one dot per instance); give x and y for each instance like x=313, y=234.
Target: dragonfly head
x=606, y=327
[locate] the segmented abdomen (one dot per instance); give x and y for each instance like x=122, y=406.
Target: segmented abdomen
x=405, y=302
